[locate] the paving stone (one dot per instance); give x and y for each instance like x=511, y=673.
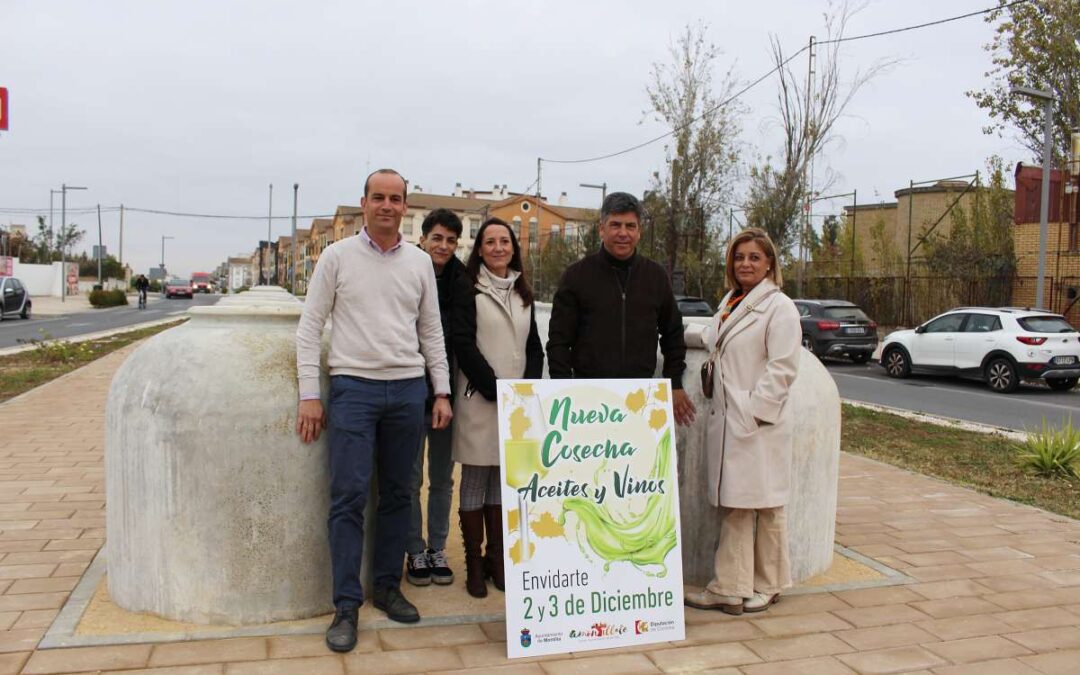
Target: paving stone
x=495, y=630
x=610, y=664
x=798, y=647
x=431, y=636
x=1038, y=598
x=942, y=609
x=801, y=623
x=204, y=669
x=864, y=617
x=937, y=590
x=36, y=618
x=208, y=651
x=328, y=665
x=886, y=595
x=977, y=649
x=825, y=665
x=944, y=572
x=883, y=637
x=960, y=627
x=401, y=661
x=509, y=669
x=711, y=633
x=1043, y=617
x=807, y=603
x=295, y=646
x=82, y=659
x=1048, y=639
x=11, y=664
x=20, y=640
x=491, y=654
x=688, y=659
x=994, y=667
x=43, y=585
x=995, y=553
x=895, y=660
x=1055, y=663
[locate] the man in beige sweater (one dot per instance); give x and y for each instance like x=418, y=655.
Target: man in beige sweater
x=381, y=296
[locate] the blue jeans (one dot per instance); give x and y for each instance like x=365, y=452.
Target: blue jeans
x=371, y=422
x=440, y=490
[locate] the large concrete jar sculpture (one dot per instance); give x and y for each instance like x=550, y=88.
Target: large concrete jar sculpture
x=811, y=512
x=216, y=509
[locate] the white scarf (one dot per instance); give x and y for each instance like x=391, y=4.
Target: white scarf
x=503, y=288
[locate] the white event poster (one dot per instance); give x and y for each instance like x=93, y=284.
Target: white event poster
x=591, y=512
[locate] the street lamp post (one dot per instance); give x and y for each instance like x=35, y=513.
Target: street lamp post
x=1048, y=99
x=602, y=187
x=63, y=248
x=292, y=241
x=163, y=238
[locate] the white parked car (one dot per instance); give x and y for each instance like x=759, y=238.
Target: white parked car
x=1001, y=346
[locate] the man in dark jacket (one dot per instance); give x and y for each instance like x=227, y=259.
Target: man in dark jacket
x=613, y=305
x=426, y=561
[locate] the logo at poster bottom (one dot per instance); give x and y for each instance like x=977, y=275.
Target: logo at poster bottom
x=526, y=638
x=599, y=630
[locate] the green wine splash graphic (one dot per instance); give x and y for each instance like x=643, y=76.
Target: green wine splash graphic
x=643, y=539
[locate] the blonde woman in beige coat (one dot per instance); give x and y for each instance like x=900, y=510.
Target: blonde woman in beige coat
x=756, y=342
x=494, y=336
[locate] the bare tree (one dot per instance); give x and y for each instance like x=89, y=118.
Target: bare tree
x=808, y=109
x=701, y=160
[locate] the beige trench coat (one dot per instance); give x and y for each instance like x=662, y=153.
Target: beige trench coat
x=501, y=336
x=749, y=463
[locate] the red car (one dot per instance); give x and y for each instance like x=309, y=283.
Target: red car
x=175, y=288
x=202, y=283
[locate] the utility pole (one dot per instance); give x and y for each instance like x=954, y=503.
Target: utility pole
x=263, y=276
x=807, y=188
x=163, y=238
x=99, y=245
x=122, y=237
x=63, y=244
x=292, y=241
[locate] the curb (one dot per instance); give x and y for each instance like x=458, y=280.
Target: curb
x=938, y=420
x=7, y=351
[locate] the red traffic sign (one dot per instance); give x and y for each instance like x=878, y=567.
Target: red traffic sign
x=3, y=109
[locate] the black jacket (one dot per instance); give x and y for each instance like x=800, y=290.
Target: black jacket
x=446, y=282
x=469, y=358
x=605, y=327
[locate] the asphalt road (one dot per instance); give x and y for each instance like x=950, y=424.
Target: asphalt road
x=70, y=325
x=968, y=400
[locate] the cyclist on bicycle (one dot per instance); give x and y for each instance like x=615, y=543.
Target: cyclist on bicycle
x=142, y=285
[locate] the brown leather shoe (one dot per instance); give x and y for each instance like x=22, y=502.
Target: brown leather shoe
x=472, y=532
x=706, y=599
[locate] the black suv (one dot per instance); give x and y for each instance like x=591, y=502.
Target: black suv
x=837, y=328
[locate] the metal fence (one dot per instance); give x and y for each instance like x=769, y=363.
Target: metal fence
x=901, y=301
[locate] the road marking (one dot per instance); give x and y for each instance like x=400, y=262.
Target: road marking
x=182, y=311
x=79, y=325
x=954, y=390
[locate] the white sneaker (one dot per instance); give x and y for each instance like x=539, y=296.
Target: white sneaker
x=760, y=602
x=706, y=599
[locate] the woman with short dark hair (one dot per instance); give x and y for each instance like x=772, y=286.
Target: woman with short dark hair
x=494, y=336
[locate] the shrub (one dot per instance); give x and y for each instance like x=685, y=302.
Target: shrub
x=113, y=298
x=1051, y=452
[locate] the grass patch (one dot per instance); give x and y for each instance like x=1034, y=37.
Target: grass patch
x=19, y=373
x=984, y=462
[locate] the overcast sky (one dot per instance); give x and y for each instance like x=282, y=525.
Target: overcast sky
x=197, y=106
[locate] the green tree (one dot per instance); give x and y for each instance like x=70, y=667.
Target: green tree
x=49, y=245
x=1034, y=45
x=701, y=160
x=980, y=242
x=886, y=254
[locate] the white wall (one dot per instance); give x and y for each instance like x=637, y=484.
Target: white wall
x=40, y=279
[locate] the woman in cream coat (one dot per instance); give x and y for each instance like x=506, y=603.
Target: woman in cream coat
x=494, y=336
x=756, y=342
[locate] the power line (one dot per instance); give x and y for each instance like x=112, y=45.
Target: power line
x=775, y=69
